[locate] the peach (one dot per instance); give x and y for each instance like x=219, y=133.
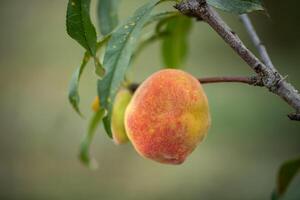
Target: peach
x=168, y=116
x=122, y=99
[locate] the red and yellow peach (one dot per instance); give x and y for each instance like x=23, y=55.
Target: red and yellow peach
x=168, y=116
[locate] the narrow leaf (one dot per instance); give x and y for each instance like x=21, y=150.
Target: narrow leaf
x=162, y=16
x=146, y=40
x=117, y=57
x=286, y=174
x=81, y=29
x=87, y=140
x=107, y=12
x=237, y=6
x=293, y=191
x=74, y=84
x=175, y=44
x=155, y=35
x=79, y=25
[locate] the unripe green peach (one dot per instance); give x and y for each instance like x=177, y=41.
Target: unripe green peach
x=122, y=99
x=168, y=116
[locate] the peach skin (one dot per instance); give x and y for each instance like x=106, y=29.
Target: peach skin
x=168, y=116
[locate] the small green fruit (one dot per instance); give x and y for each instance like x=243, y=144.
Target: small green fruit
x=118, y=114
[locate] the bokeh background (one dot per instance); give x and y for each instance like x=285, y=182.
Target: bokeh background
x=40, y=133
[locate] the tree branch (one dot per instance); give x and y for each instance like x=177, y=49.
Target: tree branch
x=269, y=76
x=256, y=41
x=224, y=79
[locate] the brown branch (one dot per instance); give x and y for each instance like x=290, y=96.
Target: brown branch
x=269, y=76
x=229, y=79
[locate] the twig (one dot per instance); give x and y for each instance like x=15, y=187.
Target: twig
x=256, y=41
x=238, y=79
x=229, y=79
x=270, y=77
x=262, y=52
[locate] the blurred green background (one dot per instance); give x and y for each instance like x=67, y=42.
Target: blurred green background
x=40, y=133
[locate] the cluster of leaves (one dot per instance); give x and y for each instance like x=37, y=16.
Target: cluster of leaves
x=123, y=41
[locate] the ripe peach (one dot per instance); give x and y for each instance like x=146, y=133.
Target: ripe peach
x=168, y=116
x=117, y=124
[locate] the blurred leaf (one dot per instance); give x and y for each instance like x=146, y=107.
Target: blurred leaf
x=117, y=57
x=274, y=196
x=293, y=191
x=286, y=174
x=79, y=25
x=87, y=140
x=162, y=16
x=153, y=36
x=237, y=6
x=74, y=84
x=146, y=40
x=175, y=44
x=107, y=12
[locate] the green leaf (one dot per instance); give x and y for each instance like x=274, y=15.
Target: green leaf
x=293, y=191
x=87, y=140
x=162, y=16
x=74, y=84
x=274, y=196
x=156, y=35
x=79, y=25
x=117, y=57
x=107, y=12
x=237, y=6
x=175, y=44
x=286, y=174
x=81, y=29
x=146, y=40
